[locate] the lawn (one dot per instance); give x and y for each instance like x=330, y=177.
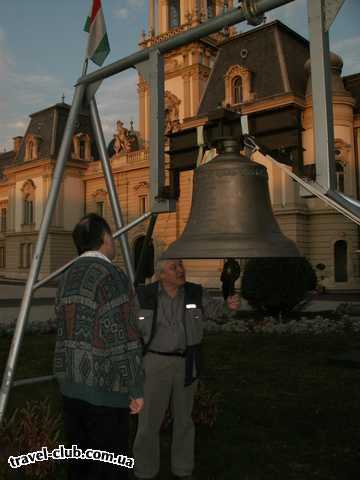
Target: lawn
x=285, y=412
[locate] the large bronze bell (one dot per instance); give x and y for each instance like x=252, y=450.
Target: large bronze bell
x=231, y=214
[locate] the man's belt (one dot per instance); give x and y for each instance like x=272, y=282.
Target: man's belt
x=169, y=354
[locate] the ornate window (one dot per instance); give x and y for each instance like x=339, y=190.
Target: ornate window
x=3, y=218
x=32, y=147
x=26, y=250
x=340, y=181
x=28, y=191
x=174, y=13
x=238, y=90
x=2, y=257
x=81, y=146
x=342, y=150
x=100, y=208
x=340, y=254
x=100, y=199
x=142, y=204
x=237, y=85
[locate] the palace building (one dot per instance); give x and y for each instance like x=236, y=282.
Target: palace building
x=263, y=73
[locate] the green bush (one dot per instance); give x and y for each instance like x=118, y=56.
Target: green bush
x=274, y=286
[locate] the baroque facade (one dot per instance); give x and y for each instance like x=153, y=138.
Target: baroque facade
x=264, y=74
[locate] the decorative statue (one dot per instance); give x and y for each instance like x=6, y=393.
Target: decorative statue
x=172, y=123
x=124, y=140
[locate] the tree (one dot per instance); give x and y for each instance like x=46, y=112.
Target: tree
x=274, y=286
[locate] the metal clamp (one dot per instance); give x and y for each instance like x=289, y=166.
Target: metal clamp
x=249, y=142
x=249, y=9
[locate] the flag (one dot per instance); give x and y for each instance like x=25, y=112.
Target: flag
x=98, y=46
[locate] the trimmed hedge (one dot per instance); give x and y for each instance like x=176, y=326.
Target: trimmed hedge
x=274, y=286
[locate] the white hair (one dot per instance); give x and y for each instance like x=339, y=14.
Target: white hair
x=159, y=266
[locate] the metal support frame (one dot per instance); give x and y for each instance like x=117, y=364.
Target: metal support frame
x=144, y=249
x=248, y=10
x=152, y=71
x=111, y=188
x=322, y=101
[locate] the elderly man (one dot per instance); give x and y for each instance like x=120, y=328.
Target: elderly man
x=171, y=323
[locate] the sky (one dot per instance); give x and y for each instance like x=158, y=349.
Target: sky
x=42, y=46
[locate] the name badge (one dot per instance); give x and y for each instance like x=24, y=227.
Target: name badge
x=141, y=318
x=190, y=306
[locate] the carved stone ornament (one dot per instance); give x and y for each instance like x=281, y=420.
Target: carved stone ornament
x=124, y=140
x=28, y=188
x=172, y=122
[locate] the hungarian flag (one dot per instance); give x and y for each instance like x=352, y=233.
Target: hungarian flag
x=98, y=46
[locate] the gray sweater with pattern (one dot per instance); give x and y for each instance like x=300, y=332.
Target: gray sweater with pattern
x=98, y=355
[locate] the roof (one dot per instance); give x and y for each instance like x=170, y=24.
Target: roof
x=274, y=54
x=49, y=124
x=6, y=159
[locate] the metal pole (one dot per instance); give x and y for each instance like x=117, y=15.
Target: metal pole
x=144, y=249
x=321, y=96
x=114, y=200
x=232, y=17
x=39, y=249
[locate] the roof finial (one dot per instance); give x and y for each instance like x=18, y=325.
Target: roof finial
x=63, y=98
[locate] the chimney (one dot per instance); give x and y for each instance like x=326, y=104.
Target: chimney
x=17, y=143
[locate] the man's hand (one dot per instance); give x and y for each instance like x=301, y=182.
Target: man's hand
x=233, y=302
x=136, y=405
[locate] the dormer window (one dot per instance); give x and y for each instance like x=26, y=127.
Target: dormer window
x=32, y=147
x=238, y=85
x=238, y=90
x=174, y=13
x=81, y=147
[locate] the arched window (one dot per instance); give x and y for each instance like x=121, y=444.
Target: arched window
x=340, y=254
x=174, y=13
x=238, y=94
x=28, y=191
x=238, y=86
x=32, y=145
x=211, y=10
x=28, y=210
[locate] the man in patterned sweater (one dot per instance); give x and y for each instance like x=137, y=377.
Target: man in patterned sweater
x=98, y=359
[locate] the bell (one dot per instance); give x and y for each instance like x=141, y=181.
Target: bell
x=231, y=214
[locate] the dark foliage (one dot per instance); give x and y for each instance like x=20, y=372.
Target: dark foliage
x=274, y=286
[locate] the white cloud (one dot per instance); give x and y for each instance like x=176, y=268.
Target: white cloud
x=349, y=49
x=122, y=13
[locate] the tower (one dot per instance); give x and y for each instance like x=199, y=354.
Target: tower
x=187, y=68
